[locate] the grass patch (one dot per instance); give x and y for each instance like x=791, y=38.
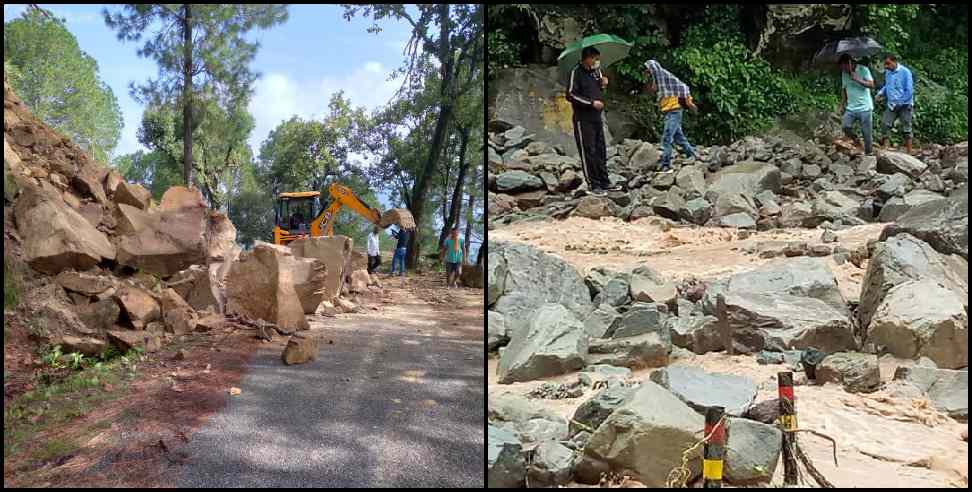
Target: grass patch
x=54, y=448
x=11, y=285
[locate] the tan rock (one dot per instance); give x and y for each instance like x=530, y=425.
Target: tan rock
x=132, y=194
x=91, y=212
x=126, y=340
x=473, y=276
x=138, y=305
x=261, y=285
x=345, y=306
x=129, y=219
x=310, y=277
x=360, y=281
x=326, y=308
x=334, y=252
x=180, y=197
x=221, y=238
x=170, y=241
x=112, y=180
x=86, y=283
x=195, y=285
x=178, y=315
x=300, y=349
x=88, y=180
x=10, y=158
x=98, y=316
x=211, y=322
x=86, y=345
x=55, y=237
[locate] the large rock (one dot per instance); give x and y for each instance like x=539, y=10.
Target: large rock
x=595, y=207
x=889, y=162
x=129, y=220
x=791, y=303
x=552, y=465
x=944, y=224
x=614, y=293
x=904, y=258
x=648, y=285
x=56, y=237
x=473, y=276
x=138, y=306
x=496, y=333
x=752, y=452
x=517, y=181
x=169, y=241
x=947, y=389
x=300, y=349
x=647, y=435
x=495, y=277
x=602, y=322
x=834, y=205
x=639, y=319
x=180, y=197
x=128, y=339
x=534, y=278
x=178, y=315
x=922, y=318
x=858, y=373
x=747, y=177
x=534, y=97
x=647, y=350
x=89, y=284
x=220, y=238
x=531, y=421
x=699, y=389
x=700, y=334
x=334, y=252
x=590, y=414
x=310, y=282
x=132, y=194
x=791, y=33
x=505, y=467
x=89, y=346
x=260, y=285
x=99, y=316
x=896, y=207
x=553, y=343
x=196, y=285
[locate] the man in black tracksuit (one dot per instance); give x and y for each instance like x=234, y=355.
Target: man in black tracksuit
x=584, y=94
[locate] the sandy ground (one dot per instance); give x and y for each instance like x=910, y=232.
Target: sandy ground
x=882, y=442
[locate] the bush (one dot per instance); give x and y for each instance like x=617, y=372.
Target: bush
x=502, y=51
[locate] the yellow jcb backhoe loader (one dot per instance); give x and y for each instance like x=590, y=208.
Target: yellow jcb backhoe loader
x=300, y=214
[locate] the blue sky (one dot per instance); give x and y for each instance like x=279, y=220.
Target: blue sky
x=303, y=61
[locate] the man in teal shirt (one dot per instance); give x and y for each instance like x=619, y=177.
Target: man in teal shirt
x=856, y=103
x=899, y=90
x=452, y=250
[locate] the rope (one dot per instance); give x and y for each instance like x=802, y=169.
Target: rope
x=679, y=475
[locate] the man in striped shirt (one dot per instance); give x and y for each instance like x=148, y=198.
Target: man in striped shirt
x=584, y=94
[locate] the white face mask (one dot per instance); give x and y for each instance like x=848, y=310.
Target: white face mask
x=596, y=65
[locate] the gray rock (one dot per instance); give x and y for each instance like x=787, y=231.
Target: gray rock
x=895, y=185
x=811, y=171
x=700, y=334
x=531, y=421
x=552, y=465
x=947, y=389
x=795, y=214
x=554, y=342
x=691, y=180
x=603, y=373
x=739, y=220
x=960, y=173
x=696, y=211
x=828, y=236
x=515, y=181
x=614, y=293
x=889, y=162
x=549, y=180
x=791, y=303
x=858, y=373
x=766, y=411
x=923, y=318
x=668, y=205
x=747, y=177
x=835, y=205
x=504, y=460
x=647, y=435
x=620, y=198
x=641, y=318
x=535, y=278
x=495, y=277
x=590, y=414
x=648, y=350
x=602, y=322
x=568, y=181
x=645, y=158
x=896, y=207
x=944, y=224
x=496, y=334
x=647, y=285
x=700, y=390
x=752, y=452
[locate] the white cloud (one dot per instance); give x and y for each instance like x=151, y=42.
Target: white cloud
x=279, y=97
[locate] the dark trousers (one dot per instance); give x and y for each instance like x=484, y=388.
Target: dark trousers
x=373, y=262
x=589, y=136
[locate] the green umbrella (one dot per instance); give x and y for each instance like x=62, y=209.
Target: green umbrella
x=612, y=49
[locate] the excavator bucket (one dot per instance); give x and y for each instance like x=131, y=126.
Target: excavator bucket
x=400, y=216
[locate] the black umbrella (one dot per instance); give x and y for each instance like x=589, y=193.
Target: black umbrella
x=856, y=47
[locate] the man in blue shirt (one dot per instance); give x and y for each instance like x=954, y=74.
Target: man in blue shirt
x=401, y=248
x=899, y=90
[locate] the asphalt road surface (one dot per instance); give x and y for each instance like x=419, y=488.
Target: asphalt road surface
x=396, y=401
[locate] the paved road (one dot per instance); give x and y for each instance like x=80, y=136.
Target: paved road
x=395, y=401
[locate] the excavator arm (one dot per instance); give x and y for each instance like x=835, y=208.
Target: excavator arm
x=342, y=196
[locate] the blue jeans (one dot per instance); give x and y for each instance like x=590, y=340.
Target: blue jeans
x=399, y=259
x=847, y=123
x=673, y=131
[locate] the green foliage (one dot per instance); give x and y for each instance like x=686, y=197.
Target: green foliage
x=60, y=83
x=890, y=23
x=11, y=284
x=52, y=358
x=503, y=52
x=153, y=170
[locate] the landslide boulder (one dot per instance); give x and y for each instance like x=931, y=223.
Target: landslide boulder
x=260, y=285
x=334, y=252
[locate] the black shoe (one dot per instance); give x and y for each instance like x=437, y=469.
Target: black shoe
x=598, y=192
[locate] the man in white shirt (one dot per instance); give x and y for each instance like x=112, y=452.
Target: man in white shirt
x=374, y=259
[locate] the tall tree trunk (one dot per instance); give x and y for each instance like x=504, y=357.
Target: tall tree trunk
x=479, y=255
x=469, y=219
x=187, y=93
x=456, y=207
x=421, y=187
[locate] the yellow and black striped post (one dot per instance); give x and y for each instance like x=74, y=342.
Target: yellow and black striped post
x=715, y=447
x=788, y=421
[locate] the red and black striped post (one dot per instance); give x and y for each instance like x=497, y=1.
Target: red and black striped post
x=715, y=447
x=789, y=424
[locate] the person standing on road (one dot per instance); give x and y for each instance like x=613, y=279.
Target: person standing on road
x=584, y=94
x=374, y=257
x=451, y=251
x=855, y=99
x=401, y=247
x=899, y=90
x=673, y=95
